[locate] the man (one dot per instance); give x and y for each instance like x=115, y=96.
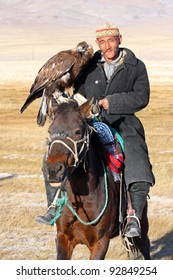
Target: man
x=119, y=81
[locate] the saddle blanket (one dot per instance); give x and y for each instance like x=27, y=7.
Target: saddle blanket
x=113, y=155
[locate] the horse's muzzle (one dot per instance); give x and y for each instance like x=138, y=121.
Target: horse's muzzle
x=56, y=174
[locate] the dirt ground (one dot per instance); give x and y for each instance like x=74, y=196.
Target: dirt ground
x=22, y=188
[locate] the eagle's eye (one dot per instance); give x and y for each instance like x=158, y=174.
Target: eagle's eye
x=81, y=48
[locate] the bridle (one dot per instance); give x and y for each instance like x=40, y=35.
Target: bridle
x=63, y=200
x=76, y=153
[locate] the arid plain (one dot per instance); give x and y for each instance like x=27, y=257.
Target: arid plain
x=23, y=144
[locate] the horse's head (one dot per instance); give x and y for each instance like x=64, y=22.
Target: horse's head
x=68, y=140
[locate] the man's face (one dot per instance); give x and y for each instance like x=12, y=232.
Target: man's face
x=109, y=46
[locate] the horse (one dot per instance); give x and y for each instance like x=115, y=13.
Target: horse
x=74, y=166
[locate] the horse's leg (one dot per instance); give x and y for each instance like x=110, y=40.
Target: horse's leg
x=99, y=249
x=143, y=243
x=64, y=247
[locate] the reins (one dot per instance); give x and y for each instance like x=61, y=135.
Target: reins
x=63, y=200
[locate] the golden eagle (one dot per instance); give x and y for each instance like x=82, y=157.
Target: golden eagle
x=57, y=76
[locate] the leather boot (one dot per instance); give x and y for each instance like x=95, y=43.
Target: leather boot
x=138, y=194
x=50, y=192
x=50, y=214
x=47, y=217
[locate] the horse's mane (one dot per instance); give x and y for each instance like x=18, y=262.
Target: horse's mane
x=69, y=106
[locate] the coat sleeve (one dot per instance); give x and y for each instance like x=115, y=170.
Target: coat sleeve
x=131, y=101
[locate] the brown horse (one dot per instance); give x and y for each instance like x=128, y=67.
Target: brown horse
x=91, y=213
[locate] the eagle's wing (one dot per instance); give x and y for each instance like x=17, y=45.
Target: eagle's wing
x=52, y=70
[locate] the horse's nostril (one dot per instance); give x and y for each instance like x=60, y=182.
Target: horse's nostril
x=58, y=168
x=56, y=172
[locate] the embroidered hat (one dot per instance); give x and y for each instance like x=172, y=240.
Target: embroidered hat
x=107, y=29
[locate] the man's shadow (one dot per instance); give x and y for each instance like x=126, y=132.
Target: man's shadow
x=165, y=245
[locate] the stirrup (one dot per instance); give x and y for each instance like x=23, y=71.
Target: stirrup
x=134, y=231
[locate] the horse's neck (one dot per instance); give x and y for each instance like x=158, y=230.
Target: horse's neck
x=85, y=178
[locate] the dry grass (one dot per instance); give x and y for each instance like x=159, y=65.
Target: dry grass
x=23, y=196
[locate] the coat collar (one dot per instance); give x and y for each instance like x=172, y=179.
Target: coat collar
x=127, y=57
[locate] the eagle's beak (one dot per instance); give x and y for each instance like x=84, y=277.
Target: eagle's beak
x=81, y=49
x=90, y=47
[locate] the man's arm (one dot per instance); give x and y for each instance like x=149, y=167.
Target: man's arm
x=133, y=101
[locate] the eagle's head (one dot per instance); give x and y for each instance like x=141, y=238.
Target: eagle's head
x=82, y=47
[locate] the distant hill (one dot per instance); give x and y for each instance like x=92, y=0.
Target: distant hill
x=82, y=13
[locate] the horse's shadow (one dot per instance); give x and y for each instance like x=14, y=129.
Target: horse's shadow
x=165, y=243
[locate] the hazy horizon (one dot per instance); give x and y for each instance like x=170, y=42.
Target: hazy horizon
x=33, y=31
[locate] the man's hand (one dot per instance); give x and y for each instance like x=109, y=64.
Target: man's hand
x=104, y=103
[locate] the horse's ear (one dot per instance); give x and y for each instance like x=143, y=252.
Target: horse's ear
x=86, y=107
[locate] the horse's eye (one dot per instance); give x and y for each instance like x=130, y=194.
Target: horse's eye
x=78, y=132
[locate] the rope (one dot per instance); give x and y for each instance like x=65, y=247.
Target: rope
x=64, y=198
x=104, y=208
x=118, y=136
x=64, y=201
x=75, y=153
x=60, y=204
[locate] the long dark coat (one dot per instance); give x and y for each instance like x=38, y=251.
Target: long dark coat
x=127, y=92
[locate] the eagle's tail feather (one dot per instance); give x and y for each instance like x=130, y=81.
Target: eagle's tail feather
x=42, y=113
x=30, y=99
x=41, y=119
